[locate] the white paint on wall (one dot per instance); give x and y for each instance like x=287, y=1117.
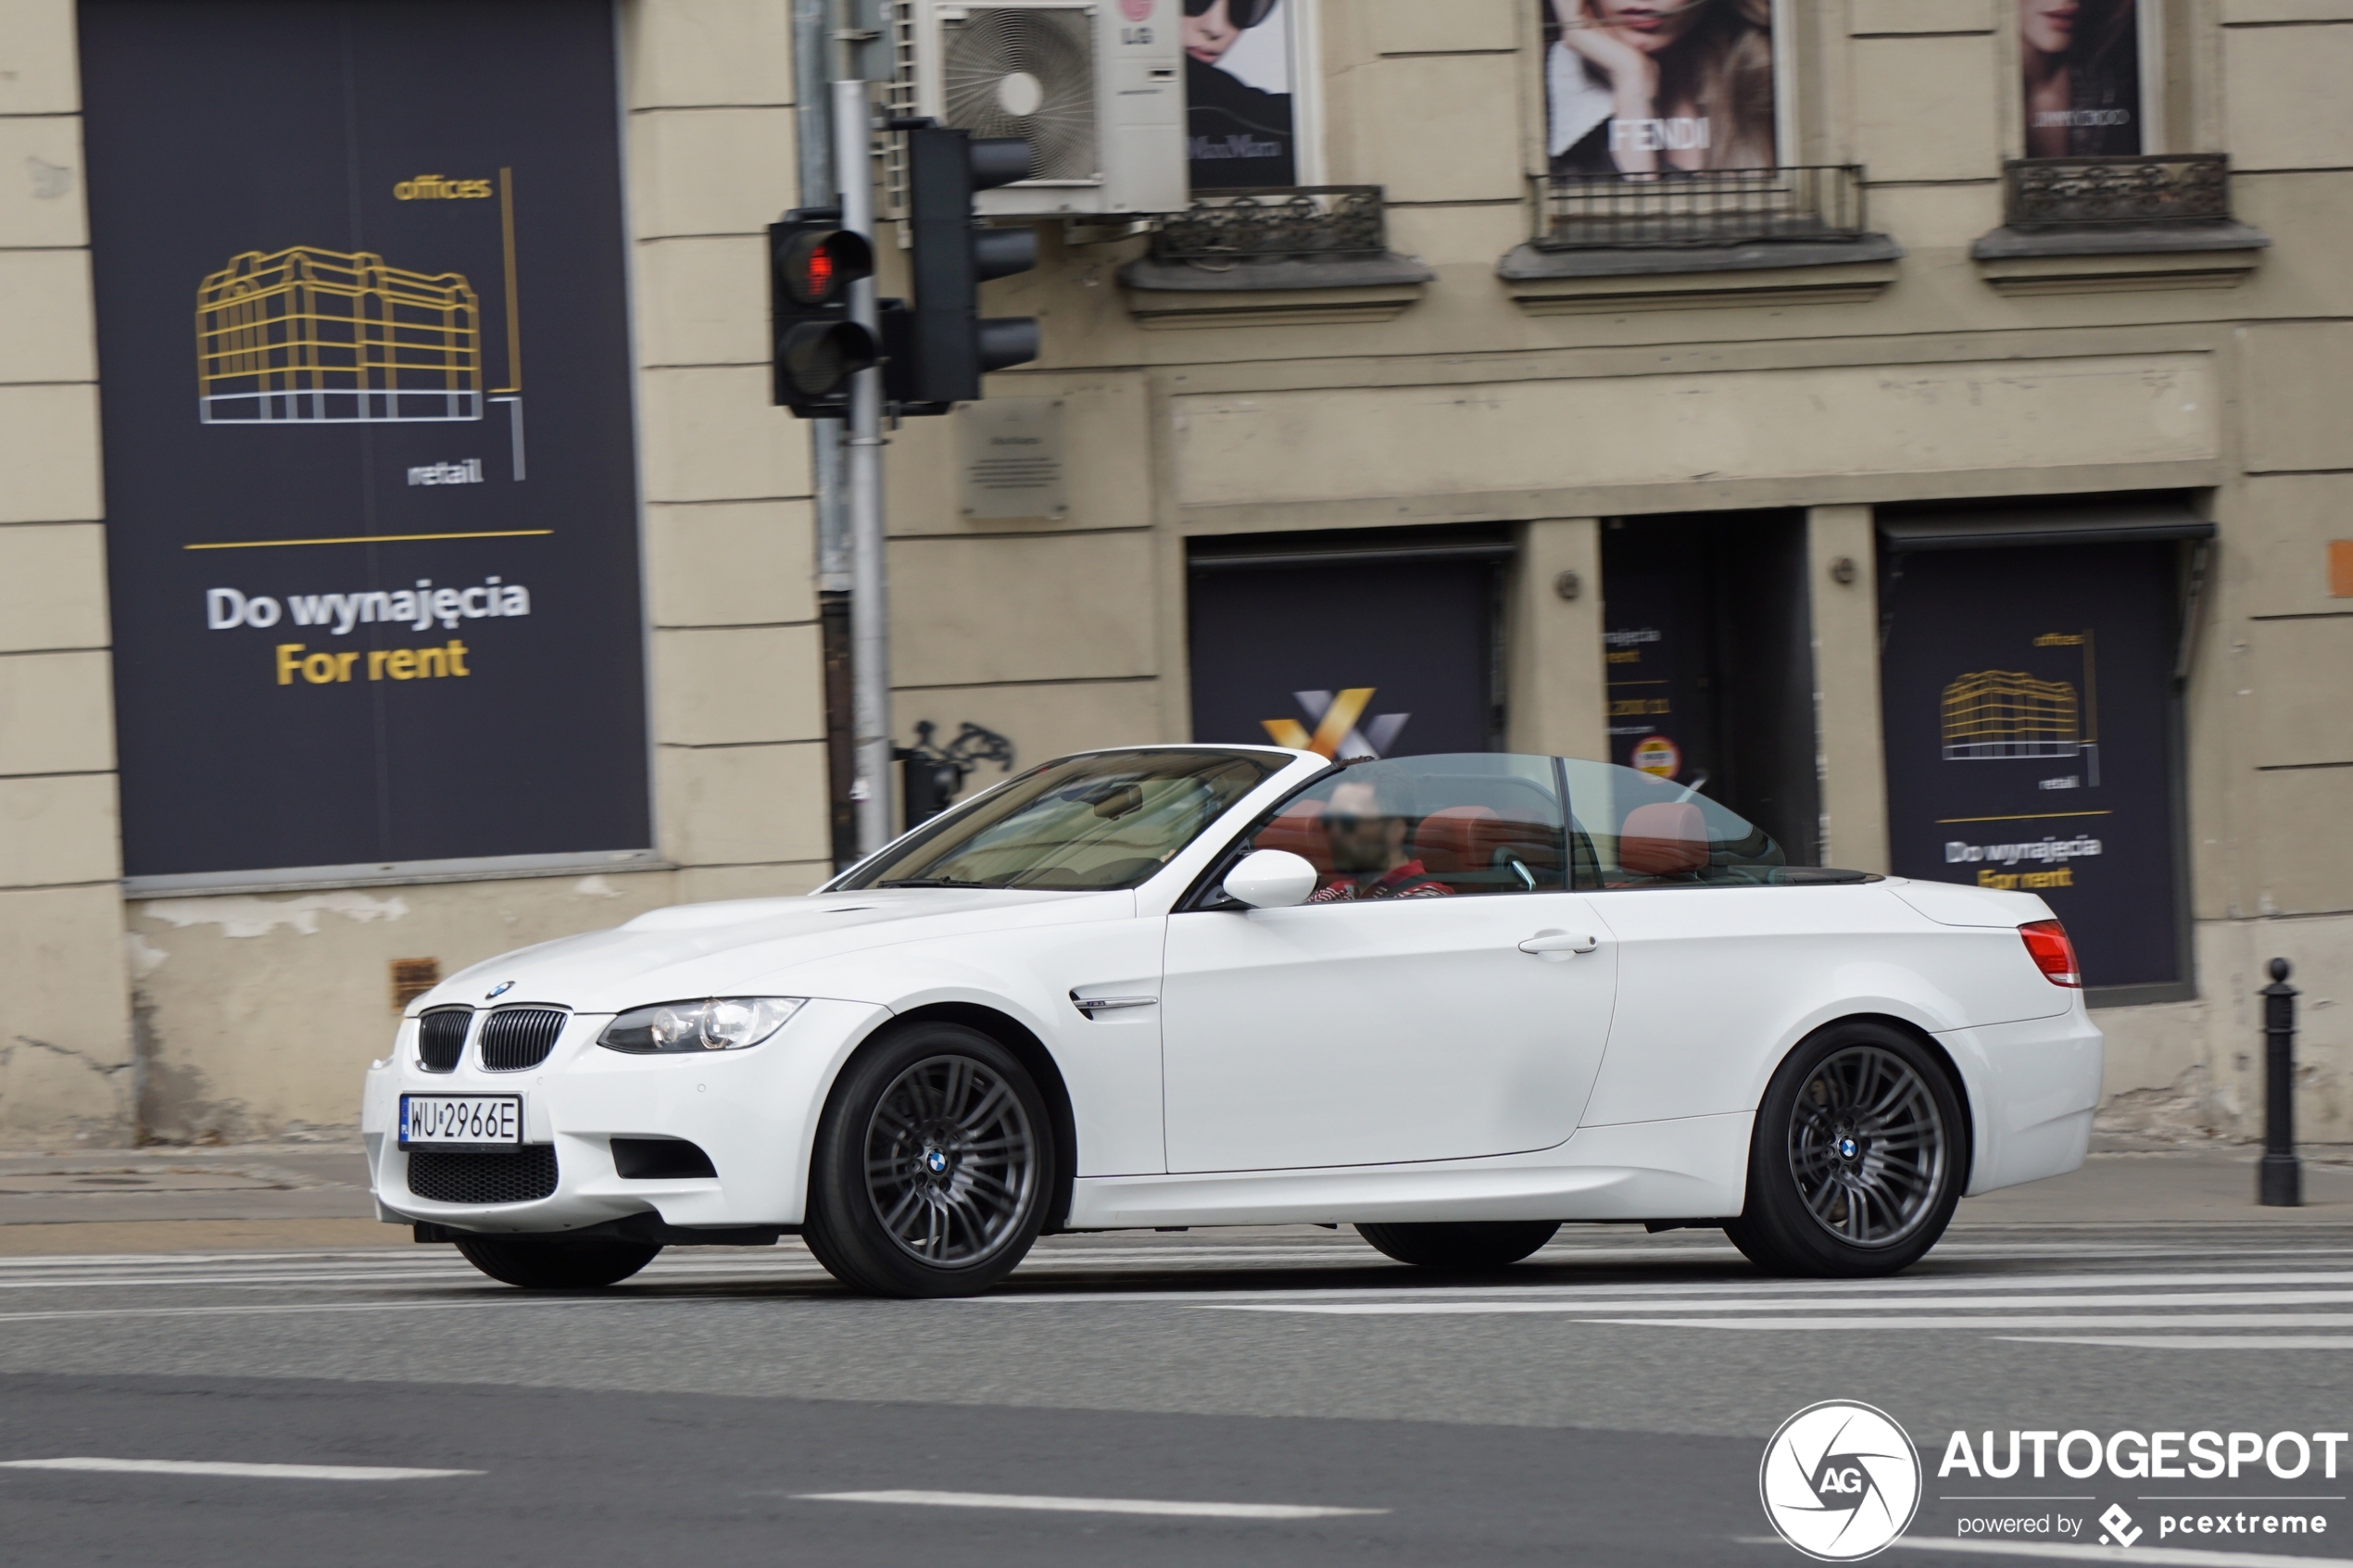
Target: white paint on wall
x=245, y=915
x=145, y=957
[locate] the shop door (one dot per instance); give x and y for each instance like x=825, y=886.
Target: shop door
x=2029, y=724
x=1708, y=651
x=1390, y=652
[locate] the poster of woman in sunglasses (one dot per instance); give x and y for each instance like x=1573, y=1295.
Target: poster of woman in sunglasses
x=1648, y=87
x=2082, y=65
x=1237, y=94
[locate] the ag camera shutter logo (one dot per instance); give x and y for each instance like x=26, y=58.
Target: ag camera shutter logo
x=1839, y=1481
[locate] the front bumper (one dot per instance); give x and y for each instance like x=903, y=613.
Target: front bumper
x=754, y=1113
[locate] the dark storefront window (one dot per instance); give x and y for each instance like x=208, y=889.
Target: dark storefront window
x=2033, y=727
x=1706, y=645
x=1348, y=645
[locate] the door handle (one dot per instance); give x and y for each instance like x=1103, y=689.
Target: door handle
x=1559, y=941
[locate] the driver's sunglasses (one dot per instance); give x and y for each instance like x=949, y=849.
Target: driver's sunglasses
x=1242, y=13
x=1346, y=821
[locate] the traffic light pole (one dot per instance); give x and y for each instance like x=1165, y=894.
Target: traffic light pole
x=869, y=600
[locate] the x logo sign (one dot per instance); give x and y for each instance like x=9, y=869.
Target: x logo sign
x=1336, y=734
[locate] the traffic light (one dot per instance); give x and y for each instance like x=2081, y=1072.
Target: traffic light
x=812, y=262
x=942, y=345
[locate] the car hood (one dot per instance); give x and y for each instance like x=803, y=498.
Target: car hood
x=746, y=947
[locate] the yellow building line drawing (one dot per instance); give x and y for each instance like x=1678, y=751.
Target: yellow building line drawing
x=511, y=394
x=1996, y=713
x=514, y=315
x=373, y=539
x=307, y=336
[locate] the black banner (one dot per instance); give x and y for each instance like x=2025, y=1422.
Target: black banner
x=1351, y=660
x=371, y=496
x=2029, y=711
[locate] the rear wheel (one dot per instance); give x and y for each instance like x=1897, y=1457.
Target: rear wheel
x=1465, y=1244
x=1855, y=1167
x=933, y=1165
x=540, y=1262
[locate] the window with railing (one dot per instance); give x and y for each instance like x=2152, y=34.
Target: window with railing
x=1277, y=223
x=2047, y=193
x=1702, y=208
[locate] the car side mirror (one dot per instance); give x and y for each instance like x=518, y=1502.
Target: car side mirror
x=1271, y=879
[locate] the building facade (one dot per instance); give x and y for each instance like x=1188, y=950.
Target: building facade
x=1854, y=430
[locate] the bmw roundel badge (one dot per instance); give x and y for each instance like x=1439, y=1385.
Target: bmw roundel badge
x=500, y=990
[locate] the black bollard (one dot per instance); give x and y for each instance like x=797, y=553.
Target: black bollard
x=2280, y=1179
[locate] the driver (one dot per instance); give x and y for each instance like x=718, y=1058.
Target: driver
x=1366, y=824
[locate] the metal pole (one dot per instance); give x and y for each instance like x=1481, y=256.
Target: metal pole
x=869, y=602
x=2280, y=1180
x=812, y=51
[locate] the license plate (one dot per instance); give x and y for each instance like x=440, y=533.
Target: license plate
x=440, y=1121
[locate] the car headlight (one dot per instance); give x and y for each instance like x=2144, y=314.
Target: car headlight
x=715, y=1023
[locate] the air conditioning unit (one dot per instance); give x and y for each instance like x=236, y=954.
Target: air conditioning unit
x=1097, y=89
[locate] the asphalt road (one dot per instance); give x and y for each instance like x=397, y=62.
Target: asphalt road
x=1607, y=1402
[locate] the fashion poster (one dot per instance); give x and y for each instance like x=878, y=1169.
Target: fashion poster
x=1237, y=94
x=2081, y=60
x=1643, y=88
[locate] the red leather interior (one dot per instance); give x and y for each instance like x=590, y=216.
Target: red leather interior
x=1460, y=838
x=1299, y=830
x=1665, y=838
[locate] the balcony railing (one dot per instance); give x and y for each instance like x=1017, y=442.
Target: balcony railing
x=1277, y=223
x=1708, y=207
x=2045, y=192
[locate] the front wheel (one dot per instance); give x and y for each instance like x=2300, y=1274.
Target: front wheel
x=934, y=1163
x=1464, y=1245
x=1855, y=1165
x=536, y=1262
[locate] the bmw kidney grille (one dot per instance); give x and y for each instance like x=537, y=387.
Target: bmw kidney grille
x=441, y=1038
x=515, y=1038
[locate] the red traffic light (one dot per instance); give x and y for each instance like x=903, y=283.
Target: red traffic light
x=817, y=266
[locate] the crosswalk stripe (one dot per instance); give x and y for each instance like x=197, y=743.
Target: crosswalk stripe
x=2158, y=1556
x=1676, y=1295
x=2052, y=1320
x=2193, y=1341
x=252, y=1471
x=1152, y=1506
x=1857, y=1303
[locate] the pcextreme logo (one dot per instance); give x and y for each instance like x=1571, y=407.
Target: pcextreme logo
x=1839, y=1481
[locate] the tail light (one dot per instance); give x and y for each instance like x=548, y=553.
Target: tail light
x=2047, y=943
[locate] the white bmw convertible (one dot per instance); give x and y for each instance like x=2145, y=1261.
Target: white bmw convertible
x=1454, y=1001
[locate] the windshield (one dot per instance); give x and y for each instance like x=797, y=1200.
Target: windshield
x=1083, y=824
x=1635, y=830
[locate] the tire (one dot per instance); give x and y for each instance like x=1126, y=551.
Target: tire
x=934, y=1163
x=537, y=1263
x=1858, y=1159
x=1462, y=1246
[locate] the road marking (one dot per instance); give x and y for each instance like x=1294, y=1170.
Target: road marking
x=2087, y=1319
x=493, y=1299
x=1601, y=1302
x=1671, y=1294
x=2159, y=1556
x=258, y=1472
x=2193, y=1341
x=1093, y=1505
